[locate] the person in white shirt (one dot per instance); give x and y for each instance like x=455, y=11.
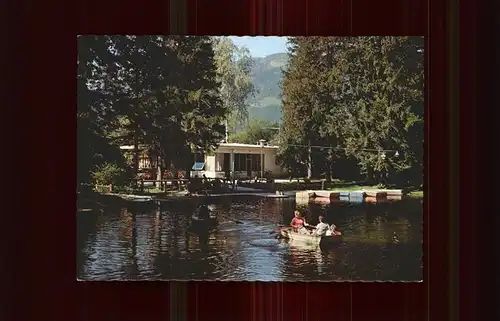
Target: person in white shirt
x=321, y=228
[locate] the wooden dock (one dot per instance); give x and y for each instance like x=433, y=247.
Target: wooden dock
x=326, y=197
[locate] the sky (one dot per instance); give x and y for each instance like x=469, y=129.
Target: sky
x=261, y=46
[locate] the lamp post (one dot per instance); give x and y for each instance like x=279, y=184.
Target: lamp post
x=262, y=142
x=383, y=173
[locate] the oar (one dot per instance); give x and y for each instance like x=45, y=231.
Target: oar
x=281, y=226
x=231, y=219
x=278, y=230
x=101, y=204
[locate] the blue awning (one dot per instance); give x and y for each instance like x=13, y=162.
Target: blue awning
x=198, y=166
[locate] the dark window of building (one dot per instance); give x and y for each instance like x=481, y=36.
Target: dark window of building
x=244, y=162
x=226, y=166
x=255, y=162
x=199, y=158
x=240, y=162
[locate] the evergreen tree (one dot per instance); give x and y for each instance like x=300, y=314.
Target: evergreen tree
x=161, y=91
x=298, y=99
x=93, y=112
x=383, y=104
x=359, y=95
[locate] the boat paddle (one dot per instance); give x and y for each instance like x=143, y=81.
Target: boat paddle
x=102, y=205
x=231, y=219
x=278, y=230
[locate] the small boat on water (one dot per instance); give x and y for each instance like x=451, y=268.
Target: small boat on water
x=84, y=210
x=204, y=224
x=288, y=233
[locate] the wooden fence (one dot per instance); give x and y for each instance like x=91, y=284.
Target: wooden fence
x=143, y=184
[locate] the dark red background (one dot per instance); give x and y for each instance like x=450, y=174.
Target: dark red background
x=45, y=287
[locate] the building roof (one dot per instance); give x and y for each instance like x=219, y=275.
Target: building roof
x=245, y=145
x=227, y=145
x=131, y=147
x=126, y=147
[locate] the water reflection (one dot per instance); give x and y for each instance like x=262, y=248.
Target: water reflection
x=380, y=242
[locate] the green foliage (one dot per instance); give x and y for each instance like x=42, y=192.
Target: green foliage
x=93, y=108
x=264, y=102
x=138, y=90
x=109, y=173
x=270, y=113
x=233, y=74
x=300, y=120
x=256, y=130
x=357, y=95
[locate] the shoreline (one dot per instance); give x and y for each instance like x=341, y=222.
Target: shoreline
x=335, y=193
x=98, y=201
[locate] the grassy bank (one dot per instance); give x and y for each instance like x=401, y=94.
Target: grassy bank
x=335, y=186
x=146, y=191
x=351, y=188
x=416, y=194
x=302, y=184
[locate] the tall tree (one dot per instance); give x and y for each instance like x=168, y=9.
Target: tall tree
x=234, y=65
x=178, y=95
x=383, y=108
x=299, y=104
x=162, y=91
x=361, y=96
x=93, y=111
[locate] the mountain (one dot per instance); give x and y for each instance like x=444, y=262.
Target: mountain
x=266, y=75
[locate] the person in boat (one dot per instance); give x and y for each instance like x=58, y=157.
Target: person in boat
x=203, y=212
x=332, y=230
x=205, y=182
x=196, y=185
x=192, y=184
x=299, y=223
x=217, y=183
x=322, y=227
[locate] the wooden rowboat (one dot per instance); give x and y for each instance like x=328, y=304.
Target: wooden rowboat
x=288, y=233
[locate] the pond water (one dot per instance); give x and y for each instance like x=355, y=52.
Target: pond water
x=381, y=242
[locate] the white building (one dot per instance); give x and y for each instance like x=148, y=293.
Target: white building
x=243, y=159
